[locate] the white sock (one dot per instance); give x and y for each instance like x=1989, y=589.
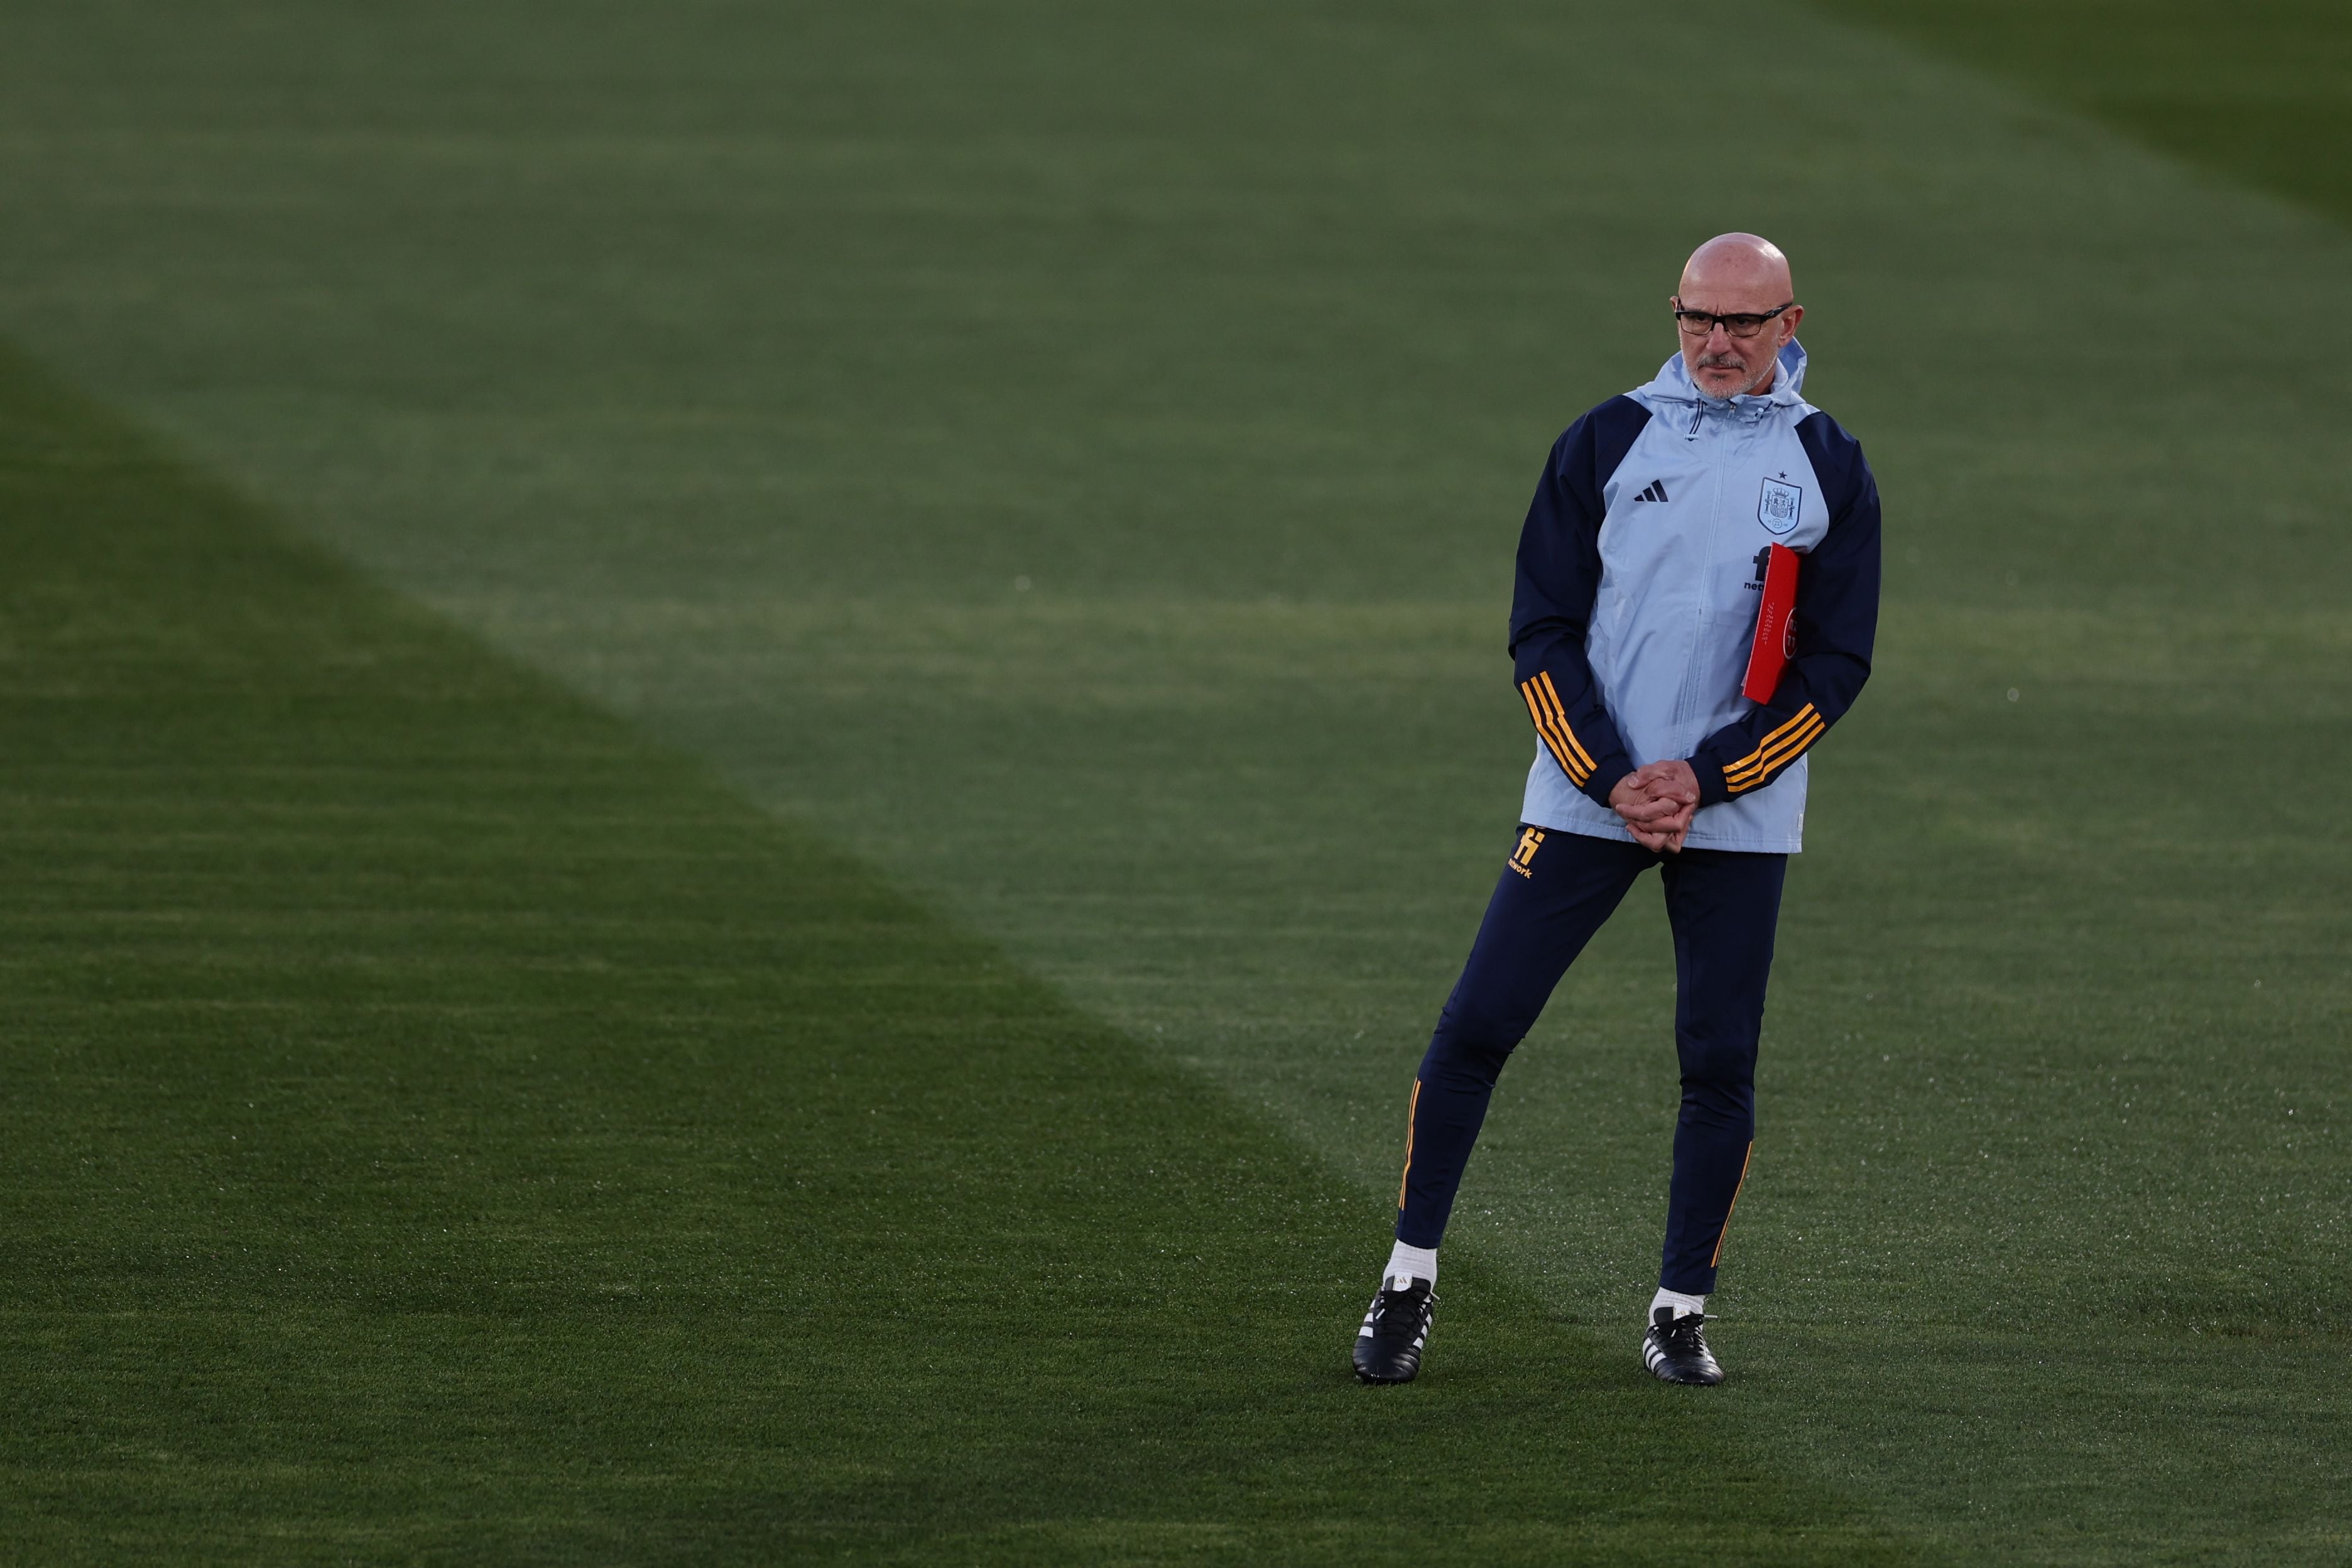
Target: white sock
x=1407, y=1264
x=1683, y=1306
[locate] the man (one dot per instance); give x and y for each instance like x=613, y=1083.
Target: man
x=1639, y=576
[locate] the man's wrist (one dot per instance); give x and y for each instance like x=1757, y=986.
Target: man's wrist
x=1608, y=772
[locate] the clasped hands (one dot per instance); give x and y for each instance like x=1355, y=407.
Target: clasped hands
x=1656, y=803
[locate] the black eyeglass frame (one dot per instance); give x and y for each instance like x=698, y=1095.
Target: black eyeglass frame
x=1753, y=321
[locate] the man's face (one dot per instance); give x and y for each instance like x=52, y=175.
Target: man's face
x=1720, y=364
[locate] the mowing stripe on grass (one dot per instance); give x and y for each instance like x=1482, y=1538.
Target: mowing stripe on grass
x=442, y=1127
x=2261, y=92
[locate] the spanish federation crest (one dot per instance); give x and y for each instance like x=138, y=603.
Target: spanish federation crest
x=1780, y=506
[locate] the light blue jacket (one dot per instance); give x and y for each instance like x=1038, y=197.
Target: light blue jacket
x=1640, y=575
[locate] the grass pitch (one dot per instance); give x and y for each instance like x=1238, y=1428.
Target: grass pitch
x=740, y=370
x=444, y=1128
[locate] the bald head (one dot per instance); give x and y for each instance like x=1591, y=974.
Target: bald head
x=1748, y=264
x=1737, y=275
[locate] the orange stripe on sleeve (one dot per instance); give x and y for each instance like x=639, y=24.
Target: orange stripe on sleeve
x=1560, y=716
x=1561, y=751
x=1795, y=721
x=1788, y=752
x=1781, y=750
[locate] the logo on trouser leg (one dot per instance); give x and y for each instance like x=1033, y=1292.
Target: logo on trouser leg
x=1530, y=840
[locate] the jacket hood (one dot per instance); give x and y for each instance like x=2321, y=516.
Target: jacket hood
x=1673, y=381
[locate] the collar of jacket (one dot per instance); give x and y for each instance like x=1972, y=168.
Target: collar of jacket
x=1673, y=384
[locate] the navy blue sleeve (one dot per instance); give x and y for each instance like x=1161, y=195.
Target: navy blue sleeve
x=1551, y=606
x=1836, y=622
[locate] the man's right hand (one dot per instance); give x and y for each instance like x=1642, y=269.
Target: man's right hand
x=1656, y=804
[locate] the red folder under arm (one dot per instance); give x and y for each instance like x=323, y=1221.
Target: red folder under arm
x=1776, y=626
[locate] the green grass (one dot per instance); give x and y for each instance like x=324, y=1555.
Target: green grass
x=731, y=366
x=2261, y=93
x=443, y=1127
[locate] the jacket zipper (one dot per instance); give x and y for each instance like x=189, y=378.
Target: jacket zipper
x=1687, y=696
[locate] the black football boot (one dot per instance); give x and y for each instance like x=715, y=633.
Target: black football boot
x=1387, y=1347
x=1675, y=1350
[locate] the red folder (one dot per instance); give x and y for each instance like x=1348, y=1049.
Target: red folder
x=1776, y=626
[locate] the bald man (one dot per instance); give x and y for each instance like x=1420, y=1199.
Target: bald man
x=1641, y=570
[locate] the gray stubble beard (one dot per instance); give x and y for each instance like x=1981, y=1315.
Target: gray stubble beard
x=1750, y=384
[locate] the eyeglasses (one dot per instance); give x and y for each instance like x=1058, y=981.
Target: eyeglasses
x=1739, y=323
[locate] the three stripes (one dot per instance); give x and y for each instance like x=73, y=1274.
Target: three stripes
x=1781, y=747
x=1551, y=723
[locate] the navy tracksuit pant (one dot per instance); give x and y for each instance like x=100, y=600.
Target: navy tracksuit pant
x=1556, y=890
